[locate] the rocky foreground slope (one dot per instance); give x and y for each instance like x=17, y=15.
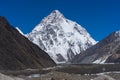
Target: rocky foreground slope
x=64, y=76
x=5, y=77
x=17, y=52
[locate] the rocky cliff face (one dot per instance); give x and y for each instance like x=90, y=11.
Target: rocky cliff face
x=61, y=38
x=17, y=52
x=105, y=51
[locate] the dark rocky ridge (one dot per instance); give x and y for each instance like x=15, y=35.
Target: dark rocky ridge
x=107, y=48
x=17, y=52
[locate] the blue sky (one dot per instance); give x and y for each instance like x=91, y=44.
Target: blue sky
x=99, y=17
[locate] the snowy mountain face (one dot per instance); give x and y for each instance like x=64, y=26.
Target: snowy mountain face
x=61, y=38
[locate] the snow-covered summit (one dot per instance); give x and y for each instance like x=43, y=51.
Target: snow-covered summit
x=55, y=15
x=117, y=33
x=61, y=38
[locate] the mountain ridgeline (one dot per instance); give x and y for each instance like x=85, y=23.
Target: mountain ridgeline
x=105, y=51
x=17, y=52
x=61, y=38
x=53, y=41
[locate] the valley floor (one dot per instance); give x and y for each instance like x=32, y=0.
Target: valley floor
x=66, y=76
x=71, y=72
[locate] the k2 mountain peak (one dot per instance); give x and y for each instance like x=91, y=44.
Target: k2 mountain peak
x=60, y=37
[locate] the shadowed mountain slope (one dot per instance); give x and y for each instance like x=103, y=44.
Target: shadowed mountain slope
x=17, y=52
x=105, y=51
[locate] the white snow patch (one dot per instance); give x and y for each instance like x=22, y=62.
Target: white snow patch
x=19, y=31
x=101, y=60
x=34, y=75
